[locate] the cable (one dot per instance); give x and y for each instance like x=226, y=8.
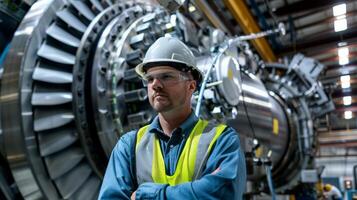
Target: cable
x=203, y=86
x=246, y=109
x=270, y=181
x=221, y=50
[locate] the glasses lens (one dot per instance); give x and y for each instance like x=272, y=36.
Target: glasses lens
x=145, y=82
x=166, y=78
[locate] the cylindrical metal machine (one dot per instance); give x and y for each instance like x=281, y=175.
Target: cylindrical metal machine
x=69, y=91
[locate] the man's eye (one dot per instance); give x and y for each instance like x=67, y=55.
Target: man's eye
x=149, y=79
x=167, y=77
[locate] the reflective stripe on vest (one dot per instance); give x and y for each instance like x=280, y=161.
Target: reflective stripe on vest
x=150, y=165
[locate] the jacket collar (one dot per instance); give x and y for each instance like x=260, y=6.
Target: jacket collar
x=186, y=127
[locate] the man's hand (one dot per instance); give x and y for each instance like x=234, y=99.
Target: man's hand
x=133, y=196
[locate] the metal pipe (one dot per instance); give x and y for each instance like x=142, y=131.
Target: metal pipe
x=355, y=175
x=269, y=123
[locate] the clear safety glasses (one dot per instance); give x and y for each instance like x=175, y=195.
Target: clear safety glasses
x=165, y=78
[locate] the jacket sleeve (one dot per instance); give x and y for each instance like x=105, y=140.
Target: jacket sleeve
x=223, y=178
x=118, y=180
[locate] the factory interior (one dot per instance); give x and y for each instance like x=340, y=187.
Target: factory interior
x=282, y=73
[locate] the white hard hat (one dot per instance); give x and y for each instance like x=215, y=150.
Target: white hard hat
x=170, y=51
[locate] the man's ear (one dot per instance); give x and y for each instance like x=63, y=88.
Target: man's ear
x=193, y=86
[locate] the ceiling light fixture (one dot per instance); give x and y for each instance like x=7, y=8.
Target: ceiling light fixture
x=345, y=81
x=340, y=24
x=192, y=8
x=347, y=100
x=345, y=85
x=348, y=114
x=345, y=78
x=339, y=10
x=341, y=44
x=343, y=54
x=343, y=60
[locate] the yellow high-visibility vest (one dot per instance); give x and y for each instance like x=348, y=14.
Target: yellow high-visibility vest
x=150, y=165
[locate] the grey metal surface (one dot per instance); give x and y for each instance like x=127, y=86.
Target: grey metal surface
x=254, y=117
x=262, y=117
x=303, y=100
x=51, y=98
x=70, y=182
x=42, y=145
x=16, y=111
x=51, y=75
x=257, y=102
x=278, y=141
x=70, y=19
x=45, y=119
x=56, y=141
x=56, y=55
x=59, y=34
x=108, y=91
x=69, y=92
x=227, y=70
x=59, y=164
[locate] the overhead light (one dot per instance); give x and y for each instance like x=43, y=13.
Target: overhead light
x=345, y=78
x=255, y=142
x=339, y=9
x=341, y=17
x=192, y=8
x=341, y=44
x=347, y=100
x=348, y=114
x=343, y=60
x=343, y=52
x=340, y=24
x=343, y=55
x=345, y=85
x=345, y=81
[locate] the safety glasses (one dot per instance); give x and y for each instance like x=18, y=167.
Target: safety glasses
x=165, y=78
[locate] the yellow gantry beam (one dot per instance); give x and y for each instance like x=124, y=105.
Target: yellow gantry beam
x=246, y=21
x=210, y=14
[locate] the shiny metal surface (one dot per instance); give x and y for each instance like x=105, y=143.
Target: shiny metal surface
x=44, y=152
x=16, y=112
x=262, y=117
x=69, y=92
x=281, y=130
x=298, y=153
x=254, y=117
x=81, y=89
x=109, y=93
x=227, y=70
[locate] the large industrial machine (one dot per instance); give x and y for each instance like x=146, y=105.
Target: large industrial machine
x=69, y=91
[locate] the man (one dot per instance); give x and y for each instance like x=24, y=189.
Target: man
x=331, y=192
x=177, y=156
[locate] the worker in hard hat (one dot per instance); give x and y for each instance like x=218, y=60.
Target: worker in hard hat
x=178, y=155
x=331, y=192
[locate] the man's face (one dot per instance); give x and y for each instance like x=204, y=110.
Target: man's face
x=169, y=89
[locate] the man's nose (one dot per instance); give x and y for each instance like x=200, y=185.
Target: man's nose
x=156, y=83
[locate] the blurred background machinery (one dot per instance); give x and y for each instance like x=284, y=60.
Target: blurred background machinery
x=69, y=90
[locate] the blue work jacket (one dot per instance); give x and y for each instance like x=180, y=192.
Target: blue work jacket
x=224, y=176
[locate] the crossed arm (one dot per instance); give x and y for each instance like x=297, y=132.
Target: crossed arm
x=224, y=176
